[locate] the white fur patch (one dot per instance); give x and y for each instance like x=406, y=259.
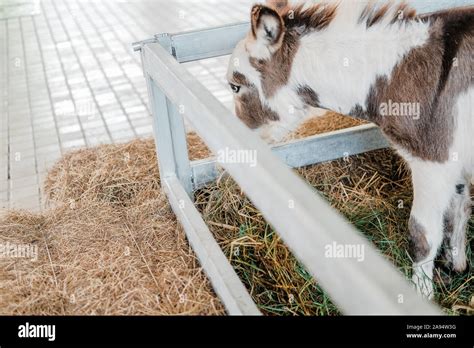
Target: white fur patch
x=342, y=62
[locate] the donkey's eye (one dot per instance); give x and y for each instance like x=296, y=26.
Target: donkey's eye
x=235, y=88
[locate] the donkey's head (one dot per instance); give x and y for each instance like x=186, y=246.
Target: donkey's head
x=298, y=57
x=267, y=97
x=254, y=74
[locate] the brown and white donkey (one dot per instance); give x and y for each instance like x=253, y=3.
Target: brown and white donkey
x=411, y=75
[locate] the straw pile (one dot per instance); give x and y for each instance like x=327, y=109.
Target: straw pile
x=109, y=243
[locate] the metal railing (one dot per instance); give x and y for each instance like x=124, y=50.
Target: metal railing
x=304, y=220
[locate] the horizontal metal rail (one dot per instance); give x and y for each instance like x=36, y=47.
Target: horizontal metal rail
x=311, y=150
x=306, y=223
x=207, y=43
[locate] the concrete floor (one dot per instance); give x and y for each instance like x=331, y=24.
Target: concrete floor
x=69, y=79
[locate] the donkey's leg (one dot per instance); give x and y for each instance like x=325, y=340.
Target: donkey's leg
x=433, y=188
x=455, y=224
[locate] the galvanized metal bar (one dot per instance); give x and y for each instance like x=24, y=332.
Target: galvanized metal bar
x=180, y=148
x=161, y=129
x=207, y=43
x=169, y=130
x=170, y=138
x=311, y=150
x=306, y=223
x=222, y=276
x=137, y=45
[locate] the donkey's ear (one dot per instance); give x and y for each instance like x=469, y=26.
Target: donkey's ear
x=267, y=25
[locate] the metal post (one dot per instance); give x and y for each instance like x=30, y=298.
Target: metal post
x=170, y=138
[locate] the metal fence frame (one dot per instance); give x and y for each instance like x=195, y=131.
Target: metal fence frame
x=307, y=225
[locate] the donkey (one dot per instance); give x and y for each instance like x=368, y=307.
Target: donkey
x=411, y=75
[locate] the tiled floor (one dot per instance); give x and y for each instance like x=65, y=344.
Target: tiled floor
x=69, y=79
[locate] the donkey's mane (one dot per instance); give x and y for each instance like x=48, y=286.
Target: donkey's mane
x=318, y=16
x=306, y=19
x=395, y=12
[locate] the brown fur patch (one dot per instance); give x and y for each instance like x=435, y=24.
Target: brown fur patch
x=458, y=27
x=316, y=17
x=404, y=13
x=372, y=15
x=250, y=110
x=419, y=247
x=308, y=96
x=240, y=79
x=359, y=112
x=281, y=6
x=254, y=17
x=275, y=72
x=429, y=137
x=449, y=223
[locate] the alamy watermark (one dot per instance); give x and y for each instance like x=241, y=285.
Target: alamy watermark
x=350, y=251
x=28, y=330
x=85, y=108
x=25, y=251
x=407, y=109
x=232, y=156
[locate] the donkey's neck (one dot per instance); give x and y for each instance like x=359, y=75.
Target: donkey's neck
x=342, y=62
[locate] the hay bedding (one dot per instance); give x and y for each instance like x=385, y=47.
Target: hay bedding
x=109, y=243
